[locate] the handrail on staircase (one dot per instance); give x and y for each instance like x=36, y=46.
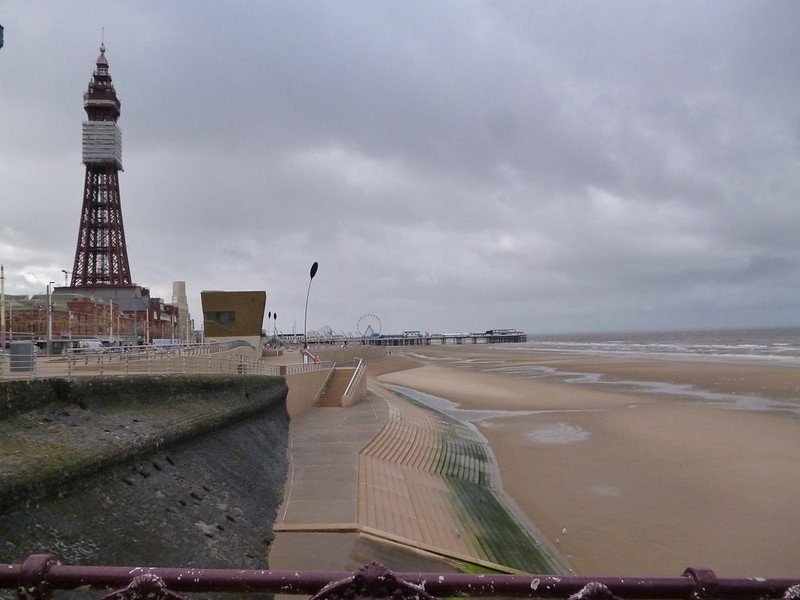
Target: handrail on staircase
x=358, y=373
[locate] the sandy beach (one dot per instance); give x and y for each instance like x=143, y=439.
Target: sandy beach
x=638, y=467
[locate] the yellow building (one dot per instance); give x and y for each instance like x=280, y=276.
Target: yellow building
x=230, y=316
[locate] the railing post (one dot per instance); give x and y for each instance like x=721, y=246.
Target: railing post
x=34, y=577
x=706, y=584
x=372, y=581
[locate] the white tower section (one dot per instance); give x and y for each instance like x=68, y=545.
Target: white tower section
x=102, y=143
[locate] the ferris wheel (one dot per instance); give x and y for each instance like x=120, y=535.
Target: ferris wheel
x=368, y=325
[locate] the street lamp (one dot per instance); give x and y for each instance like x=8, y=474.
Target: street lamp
x=2, y=309
x=275, y=331
x=50, y=318
x=313, y=272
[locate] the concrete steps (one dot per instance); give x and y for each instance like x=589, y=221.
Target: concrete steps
x=336, y=387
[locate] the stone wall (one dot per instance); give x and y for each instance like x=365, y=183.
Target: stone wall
x=169, y=471
x=86, y=425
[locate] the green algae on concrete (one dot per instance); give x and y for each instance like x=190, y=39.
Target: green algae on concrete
x=467, y=466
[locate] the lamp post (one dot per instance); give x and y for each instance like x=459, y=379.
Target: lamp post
x=50, y=318
x=275, y=331
x=313, y=272
x=2, y=309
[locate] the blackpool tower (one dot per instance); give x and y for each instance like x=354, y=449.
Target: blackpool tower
x=101, y=257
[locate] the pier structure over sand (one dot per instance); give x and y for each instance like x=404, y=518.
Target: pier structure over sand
x=493, y=336
x=416, y=338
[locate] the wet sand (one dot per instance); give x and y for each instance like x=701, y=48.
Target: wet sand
x=627, y=482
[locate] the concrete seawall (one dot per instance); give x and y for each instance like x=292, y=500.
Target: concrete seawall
x=150, y=470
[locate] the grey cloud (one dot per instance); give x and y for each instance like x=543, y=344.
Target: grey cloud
x=451, y=165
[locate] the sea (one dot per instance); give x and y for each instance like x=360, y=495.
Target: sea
x=779, y=345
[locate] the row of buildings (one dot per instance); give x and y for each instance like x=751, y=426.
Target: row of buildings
x=74, y=316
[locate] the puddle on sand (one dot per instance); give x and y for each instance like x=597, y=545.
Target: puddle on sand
x=605, y=490
x=558, y=433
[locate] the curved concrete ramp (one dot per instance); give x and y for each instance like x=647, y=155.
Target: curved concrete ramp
x=430, y=478
x=402, y=476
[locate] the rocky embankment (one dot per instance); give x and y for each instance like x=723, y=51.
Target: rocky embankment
x=169, y=471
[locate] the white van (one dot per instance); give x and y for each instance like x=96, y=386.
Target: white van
x=90, y=346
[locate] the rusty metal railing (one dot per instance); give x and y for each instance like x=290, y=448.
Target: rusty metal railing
x=40, y=575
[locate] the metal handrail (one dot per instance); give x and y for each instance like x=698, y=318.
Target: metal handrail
x=296, y=368
x=40, y=574
x=352, y=386
x=150, y=360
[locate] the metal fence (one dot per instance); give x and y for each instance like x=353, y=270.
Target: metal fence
x=295, y=368
x=42, y=574
x=224, y=357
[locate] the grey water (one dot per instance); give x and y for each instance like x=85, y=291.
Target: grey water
x=780, y=345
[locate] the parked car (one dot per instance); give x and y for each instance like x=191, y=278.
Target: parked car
x=90, y=346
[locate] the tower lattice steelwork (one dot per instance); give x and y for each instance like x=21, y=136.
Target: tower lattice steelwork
x=101, y=257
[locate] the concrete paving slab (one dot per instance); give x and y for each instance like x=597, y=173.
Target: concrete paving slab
x=299, y=550
x=318, y=472
x=338, y=489
x=310, y=511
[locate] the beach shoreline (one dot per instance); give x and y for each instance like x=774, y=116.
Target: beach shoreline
x=626, y=479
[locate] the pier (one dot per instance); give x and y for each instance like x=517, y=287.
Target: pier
x=492, y=336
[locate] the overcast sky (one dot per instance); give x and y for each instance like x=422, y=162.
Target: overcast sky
x=549, y=166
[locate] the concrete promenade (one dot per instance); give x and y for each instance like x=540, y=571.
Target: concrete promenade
x=395, y=482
